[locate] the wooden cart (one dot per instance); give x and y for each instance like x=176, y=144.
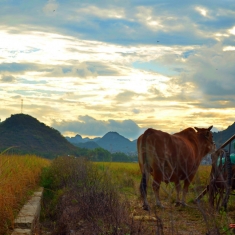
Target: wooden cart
x=222, y=177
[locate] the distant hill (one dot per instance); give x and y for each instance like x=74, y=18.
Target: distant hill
x=27, y=135
x=221, y=136
x=112, y=141
x=78, y=139
x=87, y=145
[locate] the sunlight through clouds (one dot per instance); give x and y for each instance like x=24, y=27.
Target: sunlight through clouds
x=166, y=65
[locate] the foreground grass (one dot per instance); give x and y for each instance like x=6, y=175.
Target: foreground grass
x=194, y=219
x=19, y=175
x=82, y=197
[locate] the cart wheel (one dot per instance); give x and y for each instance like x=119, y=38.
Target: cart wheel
x=220, y=181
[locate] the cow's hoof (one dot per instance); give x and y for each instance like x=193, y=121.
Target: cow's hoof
x=146, y=207
x=160, y=206
x=183, y=204
x=177, y=204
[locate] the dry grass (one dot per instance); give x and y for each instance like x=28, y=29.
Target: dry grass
x=80, y=198
x=18, y=176
x=195, y=219
x=104, y=198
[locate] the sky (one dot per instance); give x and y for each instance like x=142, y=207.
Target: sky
x=90, y=67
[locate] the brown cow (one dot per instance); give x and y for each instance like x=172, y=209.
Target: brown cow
x=171, y=158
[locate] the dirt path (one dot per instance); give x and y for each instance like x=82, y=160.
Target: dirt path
x=193, y=219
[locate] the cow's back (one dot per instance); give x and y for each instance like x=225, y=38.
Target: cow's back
x=173, y=156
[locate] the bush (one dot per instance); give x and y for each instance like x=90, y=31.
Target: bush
x=83, y=199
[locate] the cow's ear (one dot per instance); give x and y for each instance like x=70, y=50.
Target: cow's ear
x=207, y=134
x=210, y=128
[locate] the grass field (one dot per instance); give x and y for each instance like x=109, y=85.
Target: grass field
x=74, y=184
x=19, y=176
x=194, y=219
x=128, y=174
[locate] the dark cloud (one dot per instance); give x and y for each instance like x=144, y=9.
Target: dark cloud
x=7, y=79
x=76, y=69
x=87, y=125
x=212, y=71
x=17, y=67
x=125, y=96
x=136, y=111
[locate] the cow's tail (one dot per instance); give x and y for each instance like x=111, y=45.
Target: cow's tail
x=145, y=167
x=143, y=185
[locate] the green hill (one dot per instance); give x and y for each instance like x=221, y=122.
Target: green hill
x=27, y=135
x=222, y=136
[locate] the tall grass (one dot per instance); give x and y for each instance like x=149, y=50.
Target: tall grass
x=80, y=198
x=18, y=176
x=174, y=219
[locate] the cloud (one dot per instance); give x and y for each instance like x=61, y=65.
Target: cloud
x=101, y=12
x=125, y=96
x=80, y=70
x=153, y=62
x=7, y=79
x=136, y=111
x=212, y=71
x=89, y=126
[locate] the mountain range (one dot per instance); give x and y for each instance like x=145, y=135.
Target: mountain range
x=112, y=141
x=25, y=134
x=222, y=136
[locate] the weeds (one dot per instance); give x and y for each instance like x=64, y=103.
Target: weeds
x=19, y=175
x=81, y=197
x=85, y=200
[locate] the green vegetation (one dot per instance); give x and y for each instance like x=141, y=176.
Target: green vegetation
x=102, y=155
x=29, y=136
x=79, y=197
x=19, y=175
x=103, y=198
x=23, y=134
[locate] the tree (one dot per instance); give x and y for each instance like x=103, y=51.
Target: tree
x=120, y=157
x=100, y=155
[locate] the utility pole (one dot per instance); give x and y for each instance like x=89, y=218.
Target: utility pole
x=21, y=105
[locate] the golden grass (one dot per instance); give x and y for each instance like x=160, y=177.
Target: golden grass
x=128, y=178
x=18, y=176
x=128, y=175
x=121, y=169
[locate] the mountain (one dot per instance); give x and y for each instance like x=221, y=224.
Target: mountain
x=222, y=136
x=78, y=139
x=26, y=134
x=112, y=141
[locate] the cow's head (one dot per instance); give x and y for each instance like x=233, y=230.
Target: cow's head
x=206, y=137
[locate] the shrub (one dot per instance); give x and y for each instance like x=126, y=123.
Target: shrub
x=85, y=200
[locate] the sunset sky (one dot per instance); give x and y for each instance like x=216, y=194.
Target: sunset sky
x=89, y=67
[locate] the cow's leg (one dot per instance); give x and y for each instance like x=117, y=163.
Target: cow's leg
x=156, y=187
x=143, y=190
x=185, y=191
x=178, y=189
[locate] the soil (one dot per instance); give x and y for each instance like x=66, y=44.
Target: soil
x=192, y=219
